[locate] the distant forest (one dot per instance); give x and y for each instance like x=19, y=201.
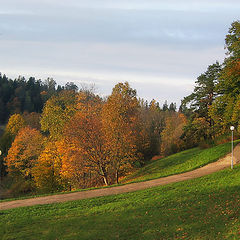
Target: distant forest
x=21, y=95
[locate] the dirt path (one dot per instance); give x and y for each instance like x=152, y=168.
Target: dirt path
x=208, y=169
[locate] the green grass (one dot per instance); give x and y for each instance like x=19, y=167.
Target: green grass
x=181, y=162
x=203, y=208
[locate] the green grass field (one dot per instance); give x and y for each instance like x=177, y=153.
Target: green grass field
x=179, y=163
x=203, y=208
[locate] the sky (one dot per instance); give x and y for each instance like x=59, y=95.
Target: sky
x=159, y=47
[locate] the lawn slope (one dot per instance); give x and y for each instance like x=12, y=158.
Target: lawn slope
x=180, y=162
x=203, y=208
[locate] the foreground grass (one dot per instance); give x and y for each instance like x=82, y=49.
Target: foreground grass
x=181, y=162
x=203, y=208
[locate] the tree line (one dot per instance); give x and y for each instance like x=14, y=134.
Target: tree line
x=80, y=139
x=26, y=95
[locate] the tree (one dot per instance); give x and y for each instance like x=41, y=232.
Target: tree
x=32, y=120
x=46, y=171
x=71, y=86
x=15, y=123
x=170, y=136
x=232, y=40
x=21, y=95
x=172, y=107
x=204, y=92
x=87, y=147
x=57, y=111
x=228, y=87
x=120, y=116
x=201, y=101
x=24, y=152
x=165, y=106
x=150, y=125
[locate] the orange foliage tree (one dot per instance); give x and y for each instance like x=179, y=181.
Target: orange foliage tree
x=86, y=145
x=24, y=152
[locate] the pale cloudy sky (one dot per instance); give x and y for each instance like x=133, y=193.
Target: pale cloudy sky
x=160, y=47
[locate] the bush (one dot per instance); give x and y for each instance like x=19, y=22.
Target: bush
x=17, y=187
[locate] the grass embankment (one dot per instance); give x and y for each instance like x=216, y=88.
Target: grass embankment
x=203, y=208
x=181, y=162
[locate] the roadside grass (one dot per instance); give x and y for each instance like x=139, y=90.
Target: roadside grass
x=203, y=208
x=180, y=162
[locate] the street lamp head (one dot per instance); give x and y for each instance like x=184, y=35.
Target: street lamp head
x=232, y=128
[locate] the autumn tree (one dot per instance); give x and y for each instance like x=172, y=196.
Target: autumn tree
x=32, y=119
x=150, y=126
x=74, y=170
x=57, y=111
x=46, y=171
x=120, y=115
x=87, y=148
x=15, y=123
x=24, y=152
x=170, y=136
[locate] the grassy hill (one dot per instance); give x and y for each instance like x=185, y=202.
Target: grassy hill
x=180, y=162
x=203, y=208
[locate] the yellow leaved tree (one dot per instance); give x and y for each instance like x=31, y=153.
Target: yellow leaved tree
x=120, y=116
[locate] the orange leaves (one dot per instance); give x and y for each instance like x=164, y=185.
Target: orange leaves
x=26, y=148
x=87, y=147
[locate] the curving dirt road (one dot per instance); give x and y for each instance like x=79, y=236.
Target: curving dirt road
x=208, y=169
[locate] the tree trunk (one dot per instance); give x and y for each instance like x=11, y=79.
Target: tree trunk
x=117, y=176
x=105, y=178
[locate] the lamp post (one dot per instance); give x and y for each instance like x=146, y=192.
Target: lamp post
x=232, y=129
x=0, y=169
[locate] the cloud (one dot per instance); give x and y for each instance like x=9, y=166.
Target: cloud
x=146, y=27
x=186, y=5
x=158, y=46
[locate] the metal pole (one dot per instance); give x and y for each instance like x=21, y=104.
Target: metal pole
x=232, y=152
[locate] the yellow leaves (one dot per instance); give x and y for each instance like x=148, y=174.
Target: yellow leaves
x=57, y=112
x=26, y=148
x=15, y=123
x=46, y=172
